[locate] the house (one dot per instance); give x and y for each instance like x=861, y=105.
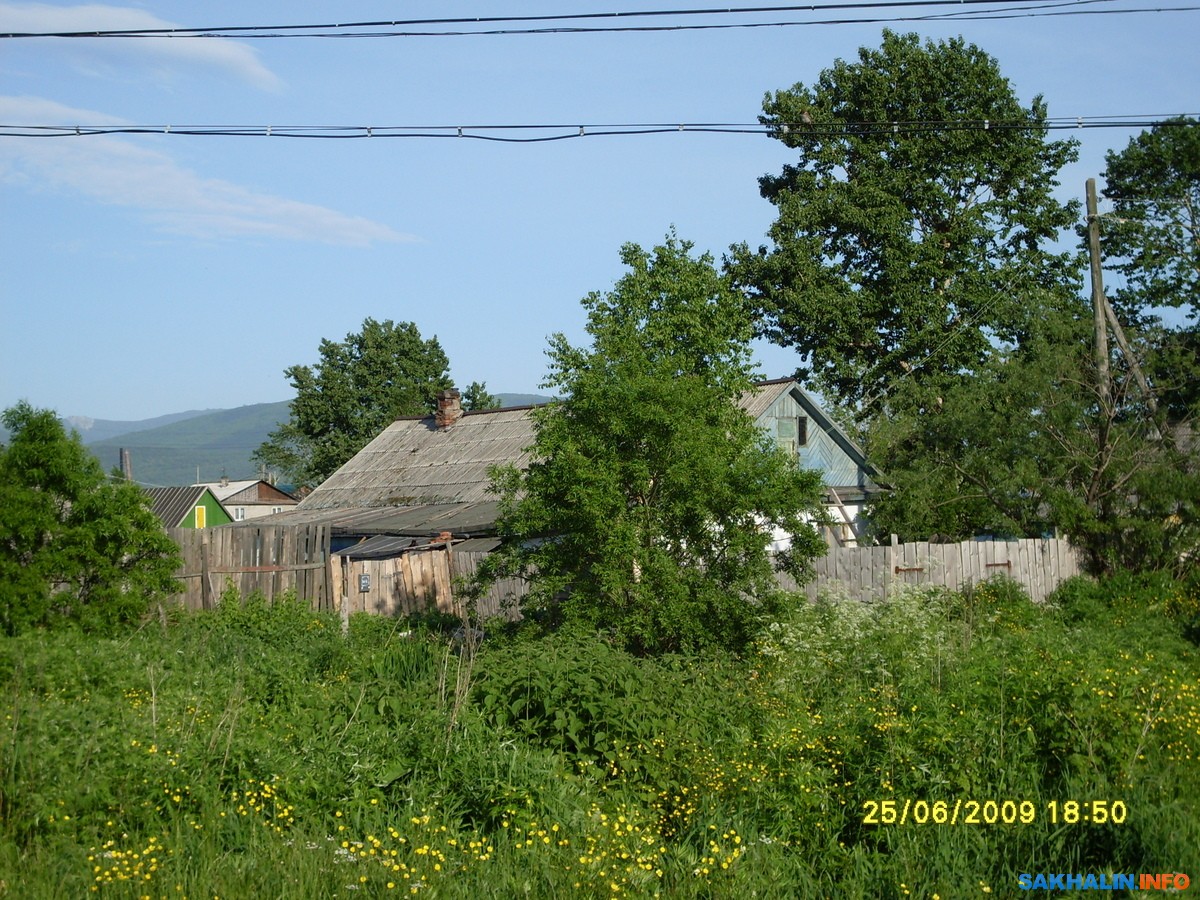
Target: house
x=411, y=510
x=788, y=413
x=187, y=507
x=252, y=499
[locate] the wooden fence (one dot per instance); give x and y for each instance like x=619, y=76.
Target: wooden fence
x=267, y=558
x=274, y=559
x=422, y=579
x=869, y=573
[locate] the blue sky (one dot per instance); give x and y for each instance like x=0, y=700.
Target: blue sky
x=150, y=274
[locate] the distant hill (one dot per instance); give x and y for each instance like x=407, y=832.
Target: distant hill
x=211, y=444
x=93, y=430
x=522, y=399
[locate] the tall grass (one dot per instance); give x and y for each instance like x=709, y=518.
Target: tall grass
x=254, y=751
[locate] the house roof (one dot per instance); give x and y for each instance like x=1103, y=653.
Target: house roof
x=172, y=504
x=253, y=488
x=764, y=395
x=416, y=479
x=412, y=462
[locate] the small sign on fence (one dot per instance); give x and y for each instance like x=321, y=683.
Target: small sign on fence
x=364, y=583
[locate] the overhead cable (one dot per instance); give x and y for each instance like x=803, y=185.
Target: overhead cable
x=388, y=27
x=527, y=133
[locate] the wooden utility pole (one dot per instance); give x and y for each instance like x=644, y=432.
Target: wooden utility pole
x=1098, y=301
x=1105, y=316
x=126, y=465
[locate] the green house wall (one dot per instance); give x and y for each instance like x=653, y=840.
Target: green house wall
x=214, y=513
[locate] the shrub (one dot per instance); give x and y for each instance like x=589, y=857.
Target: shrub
x=1130, y=595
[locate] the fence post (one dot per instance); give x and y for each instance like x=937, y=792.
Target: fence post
x=344, y=597
x=206, y=600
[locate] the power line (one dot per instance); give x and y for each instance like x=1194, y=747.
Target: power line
x=525, y=133
x=376, y=28
x=344, y=27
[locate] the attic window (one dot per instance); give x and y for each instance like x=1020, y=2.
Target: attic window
x=802, y=431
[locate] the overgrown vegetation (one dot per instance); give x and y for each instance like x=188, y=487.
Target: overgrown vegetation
x=254, y=751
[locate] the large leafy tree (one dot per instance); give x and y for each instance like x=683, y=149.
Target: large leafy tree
x=74, y=544
x=1152, y=236
x=384, y=371
x=1151, y=241
x=914, y=222
x=987, y=454
x=648, y=504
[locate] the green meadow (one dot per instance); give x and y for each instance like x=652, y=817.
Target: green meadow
x=934, y=746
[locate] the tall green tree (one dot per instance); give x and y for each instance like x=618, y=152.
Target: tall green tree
x=1151, y=241
x=915, y=222
x=74, y=544
x=382, y=372
x=477, y=396
x=648, y=504
x=1152, y=236
x=987, y=454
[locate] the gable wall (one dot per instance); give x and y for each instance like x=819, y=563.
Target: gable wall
x=820, y=452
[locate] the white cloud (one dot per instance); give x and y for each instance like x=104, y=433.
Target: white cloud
x=124, y=172
x=220, y=54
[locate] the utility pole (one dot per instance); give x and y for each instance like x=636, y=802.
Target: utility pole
x=1105, y=315
x=126, y=465
x=1098, y=301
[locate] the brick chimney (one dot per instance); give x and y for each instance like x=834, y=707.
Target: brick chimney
x=449, y=408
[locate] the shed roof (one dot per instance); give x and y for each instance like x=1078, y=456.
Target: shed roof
x=386, y=546
x=172, y=504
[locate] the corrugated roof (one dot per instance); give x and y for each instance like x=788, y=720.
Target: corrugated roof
x=413, y=463
x=414, y=521
x=172, y=504
x=224, y=490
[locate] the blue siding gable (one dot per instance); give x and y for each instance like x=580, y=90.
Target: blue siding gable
x=797, y=424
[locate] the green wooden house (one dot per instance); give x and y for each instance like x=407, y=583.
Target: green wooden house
x=188, y=507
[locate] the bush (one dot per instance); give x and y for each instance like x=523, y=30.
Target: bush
x=575, y=695
x=1126, y=596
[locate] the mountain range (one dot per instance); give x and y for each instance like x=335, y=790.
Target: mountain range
x=198, y=445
